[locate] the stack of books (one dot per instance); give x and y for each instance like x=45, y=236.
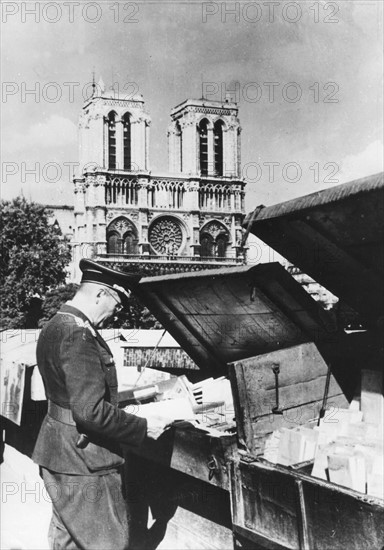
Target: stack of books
x=346, y=447
x=206, y=405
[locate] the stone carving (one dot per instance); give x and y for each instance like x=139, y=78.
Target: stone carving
x=122, y=225
x=203, y=218
x=213, y=111
x=90, y=180
x=214, y=228
x=232, y=123
x=192, y=185
x=133, y=215
x=166, y=236
x=141, y=118
x=99, y=180
x=143, y=184
x=168, y=183
x=173, y=130
x=95, y=116
x=80, y=186
x=123, y=103
x=184, y=122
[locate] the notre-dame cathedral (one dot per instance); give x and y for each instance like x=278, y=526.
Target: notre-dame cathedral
x=186, y=219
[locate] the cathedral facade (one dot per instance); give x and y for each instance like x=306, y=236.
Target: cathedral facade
x=188, y=218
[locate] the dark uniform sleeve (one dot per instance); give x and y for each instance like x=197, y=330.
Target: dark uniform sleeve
x=86, y=385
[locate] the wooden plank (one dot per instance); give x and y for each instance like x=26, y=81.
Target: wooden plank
x=270, y=505
x=324, y=234
x=237, y=508
x=337, y=519
x=301, y=385
x=192, y=453
x=189, y=451
x=291, y=396
x=240, y=401
x=302, y=513
x=227, y=315
x=302, y=362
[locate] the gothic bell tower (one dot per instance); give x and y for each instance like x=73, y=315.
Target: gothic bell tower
x=114, y=131
x=204, y=139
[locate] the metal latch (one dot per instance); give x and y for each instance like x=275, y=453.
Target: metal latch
x=276, y=370
x=213, y=467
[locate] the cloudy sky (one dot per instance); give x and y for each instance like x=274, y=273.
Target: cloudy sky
x=307, y=77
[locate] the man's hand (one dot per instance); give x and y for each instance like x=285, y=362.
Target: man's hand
x=157, y=425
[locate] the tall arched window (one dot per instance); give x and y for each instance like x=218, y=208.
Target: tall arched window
x=112, y=140
x=130, y=243
x=221, y=243
x=214, y=240
x=127, y=141
x=207, y=243
x=122, y=237
x=218, y=147
x=179, y=147
x=113, y=243
x=203, y=146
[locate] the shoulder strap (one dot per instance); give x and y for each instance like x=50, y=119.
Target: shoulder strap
x=80, y=322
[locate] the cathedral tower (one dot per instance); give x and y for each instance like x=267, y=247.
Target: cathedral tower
x=188, y=218
x=204, y=139
x=114, y=131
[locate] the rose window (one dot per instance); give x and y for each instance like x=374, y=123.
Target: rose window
x=165, y=236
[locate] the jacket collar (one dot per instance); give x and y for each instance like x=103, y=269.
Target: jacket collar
x=67, y=308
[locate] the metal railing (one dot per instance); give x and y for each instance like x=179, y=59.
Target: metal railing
x=168, y=258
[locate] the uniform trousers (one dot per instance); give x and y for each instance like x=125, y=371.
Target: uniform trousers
x=89, y=512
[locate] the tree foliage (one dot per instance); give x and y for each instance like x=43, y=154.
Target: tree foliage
x=54, y=299
x=34, y=255
x=135, y=315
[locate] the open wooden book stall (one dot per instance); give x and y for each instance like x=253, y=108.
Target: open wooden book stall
x=294, y=371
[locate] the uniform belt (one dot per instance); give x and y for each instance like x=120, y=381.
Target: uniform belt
x=60, y=414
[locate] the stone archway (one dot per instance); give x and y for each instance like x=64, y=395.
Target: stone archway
x=122, y=237
x=214, y=238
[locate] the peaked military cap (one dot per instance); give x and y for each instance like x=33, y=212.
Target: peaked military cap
x=116, y=280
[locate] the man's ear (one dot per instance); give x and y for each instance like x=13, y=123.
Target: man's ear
x=100, y=292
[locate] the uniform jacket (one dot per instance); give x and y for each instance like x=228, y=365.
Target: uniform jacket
x=79, y=375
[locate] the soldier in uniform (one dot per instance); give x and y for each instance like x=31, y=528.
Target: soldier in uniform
x=78, y=448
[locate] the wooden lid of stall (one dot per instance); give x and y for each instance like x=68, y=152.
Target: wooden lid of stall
x=336, y=237
x=223, y=315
